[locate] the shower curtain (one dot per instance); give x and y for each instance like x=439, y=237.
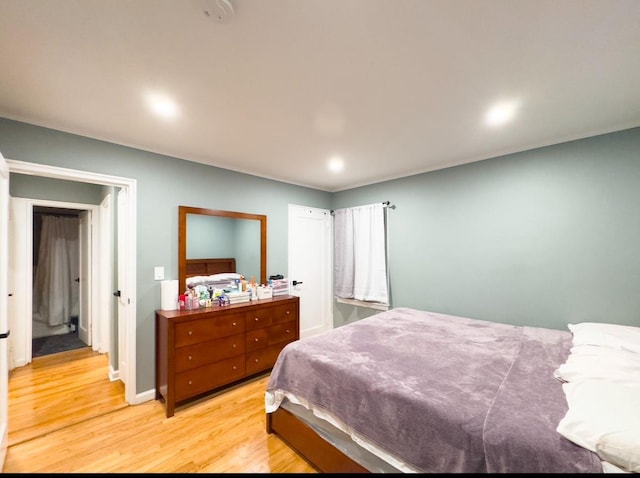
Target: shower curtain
x=55, y=292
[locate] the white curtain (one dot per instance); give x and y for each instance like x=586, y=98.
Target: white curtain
x=55, y=292
x=360, y=262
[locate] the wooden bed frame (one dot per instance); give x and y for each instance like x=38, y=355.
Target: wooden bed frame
x=308, y=444
x=207, y=267
x=310, y=437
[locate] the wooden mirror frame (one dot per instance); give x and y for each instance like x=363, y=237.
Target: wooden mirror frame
x=182, y=238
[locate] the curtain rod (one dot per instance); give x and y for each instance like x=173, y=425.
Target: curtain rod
x=384, y=204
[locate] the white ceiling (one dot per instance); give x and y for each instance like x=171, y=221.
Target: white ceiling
x=394, y=87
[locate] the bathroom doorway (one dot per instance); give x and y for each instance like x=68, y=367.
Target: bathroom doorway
x=58, y=252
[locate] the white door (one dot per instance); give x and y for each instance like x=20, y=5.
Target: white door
x=310, y=267
x=20, y=278
x=4, y=294
x=84, y=281
x=102, y=334
x=122, y=292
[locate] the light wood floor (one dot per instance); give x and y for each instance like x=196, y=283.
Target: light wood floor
x=66, y=416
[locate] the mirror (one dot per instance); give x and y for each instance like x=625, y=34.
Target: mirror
x=220, y=236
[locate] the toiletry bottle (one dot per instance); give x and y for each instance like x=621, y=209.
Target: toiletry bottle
x=252, y=289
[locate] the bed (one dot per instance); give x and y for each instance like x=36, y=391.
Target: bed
x=217, y=273
x=415, y=391
x=206, y=267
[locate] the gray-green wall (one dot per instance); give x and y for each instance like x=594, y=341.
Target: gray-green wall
x=543, y=238
x=163, y=184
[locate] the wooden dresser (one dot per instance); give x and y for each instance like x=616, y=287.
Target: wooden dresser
x=198, y=351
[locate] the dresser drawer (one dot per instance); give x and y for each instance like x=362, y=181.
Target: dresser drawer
x=201, y=351
x=203, y=379
x=284, y=332
x=204, y=353
x=205, y=329
x=284, y=313
x=257, y=339
x=272, y=315
x=264, y=358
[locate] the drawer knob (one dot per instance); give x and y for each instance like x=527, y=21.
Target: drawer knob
x=288, y=312
x=256, y=339
x=288, y=331
x=257, y=319
x=234, y=324
x=234, y=346
x=189, y=357
x=190, y=382
x=234, y=367
x=190, y=333
x=256, y=360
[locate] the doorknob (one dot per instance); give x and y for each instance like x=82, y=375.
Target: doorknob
x=295, y=282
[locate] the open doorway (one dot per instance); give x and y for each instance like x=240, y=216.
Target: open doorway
x=122, y=344
x=60, y=257
x=56, y=293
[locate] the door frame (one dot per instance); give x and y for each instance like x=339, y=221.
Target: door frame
x=22, y=277
x=89, y=314
x=126, y=262
x=4, y=308
x=105, y=271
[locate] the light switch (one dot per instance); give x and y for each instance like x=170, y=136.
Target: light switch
x=158, y=273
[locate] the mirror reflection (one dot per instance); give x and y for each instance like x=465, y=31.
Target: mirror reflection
x=224, y=237
x=213, y=241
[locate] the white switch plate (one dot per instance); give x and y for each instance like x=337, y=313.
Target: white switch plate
x=158, y=273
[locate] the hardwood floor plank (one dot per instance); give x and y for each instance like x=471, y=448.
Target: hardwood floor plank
x=58, y=390
x=66, y=417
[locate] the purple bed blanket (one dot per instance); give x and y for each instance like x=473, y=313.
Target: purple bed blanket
x=442, y=393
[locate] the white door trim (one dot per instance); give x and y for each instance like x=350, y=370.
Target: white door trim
x=87, y=287
x=4, y=308
x=102, y=335
x=22, y=254
x=129, y=268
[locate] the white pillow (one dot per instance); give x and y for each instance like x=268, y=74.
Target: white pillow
x=621, y=448
x=621, y=337
x=590, y=361
x=204, y=280
x=598, y=408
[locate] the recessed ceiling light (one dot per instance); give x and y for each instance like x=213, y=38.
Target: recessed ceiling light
x=162, y=105
x=336, y=164
x=501, y=113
